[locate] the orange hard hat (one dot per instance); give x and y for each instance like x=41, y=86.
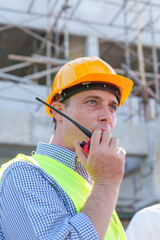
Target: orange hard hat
x=87, y=70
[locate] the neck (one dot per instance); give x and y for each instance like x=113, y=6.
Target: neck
x=56, y=140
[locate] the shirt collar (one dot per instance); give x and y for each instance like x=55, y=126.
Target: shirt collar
x=60, y=154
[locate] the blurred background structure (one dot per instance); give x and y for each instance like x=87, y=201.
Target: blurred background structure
x=38, y=37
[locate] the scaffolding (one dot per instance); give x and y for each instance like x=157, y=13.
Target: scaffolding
x=49, y=52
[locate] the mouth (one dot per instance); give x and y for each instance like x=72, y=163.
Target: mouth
x=108, y=129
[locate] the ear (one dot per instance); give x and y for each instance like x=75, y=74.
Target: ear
x=59, y=106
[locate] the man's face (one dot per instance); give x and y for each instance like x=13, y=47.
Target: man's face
x=93, y=109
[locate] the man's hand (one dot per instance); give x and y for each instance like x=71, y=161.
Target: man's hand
x=105, y=162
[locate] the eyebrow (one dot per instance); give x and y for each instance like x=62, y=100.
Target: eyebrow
x=92, y=96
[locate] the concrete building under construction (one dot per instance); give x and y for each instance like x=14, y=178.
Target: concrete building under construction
x=38, y=37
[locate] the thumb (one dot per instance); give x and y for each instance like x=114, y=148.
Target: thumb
x=82, y=157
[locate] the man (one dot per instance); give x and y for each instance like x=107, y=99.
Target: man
x=62, y=192
x=145, y=224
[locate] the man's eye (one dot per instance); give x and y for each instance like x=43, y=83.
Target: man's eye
x=113, y=107
x=92, y=101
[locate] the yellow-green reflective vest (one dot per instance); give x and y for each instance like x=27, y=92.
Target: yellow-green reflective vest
x=77, y=188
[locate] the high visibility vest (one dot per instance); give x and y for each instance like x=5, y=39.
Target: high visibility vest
x=77, y=188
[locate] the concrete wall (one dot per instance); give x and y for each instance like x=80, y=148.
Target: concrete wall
x=140, y=186
x=24, y=128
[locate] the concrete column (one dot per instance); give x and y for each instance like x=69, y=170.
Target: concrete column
x=92, y=46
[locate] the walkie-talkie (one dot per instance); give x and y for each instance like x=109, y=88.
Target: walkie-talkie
x=84, y=145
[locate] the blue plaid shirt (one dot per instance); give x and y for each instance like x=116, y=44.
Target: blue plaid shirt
x=34, y=206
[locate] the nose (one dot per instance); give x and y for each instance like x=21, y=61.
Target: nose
x=105, y=115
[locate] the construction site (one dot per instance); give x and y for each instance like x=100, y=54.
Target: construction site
x=38, y=37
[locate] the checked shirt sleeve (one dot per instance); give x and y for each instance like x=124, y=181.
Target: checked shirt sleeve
x=34, y=206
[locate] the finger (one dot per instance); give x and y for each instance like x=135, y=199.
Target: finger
x=95, y=139
x=114, y=143
x=82, y=157
x=106, y=137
